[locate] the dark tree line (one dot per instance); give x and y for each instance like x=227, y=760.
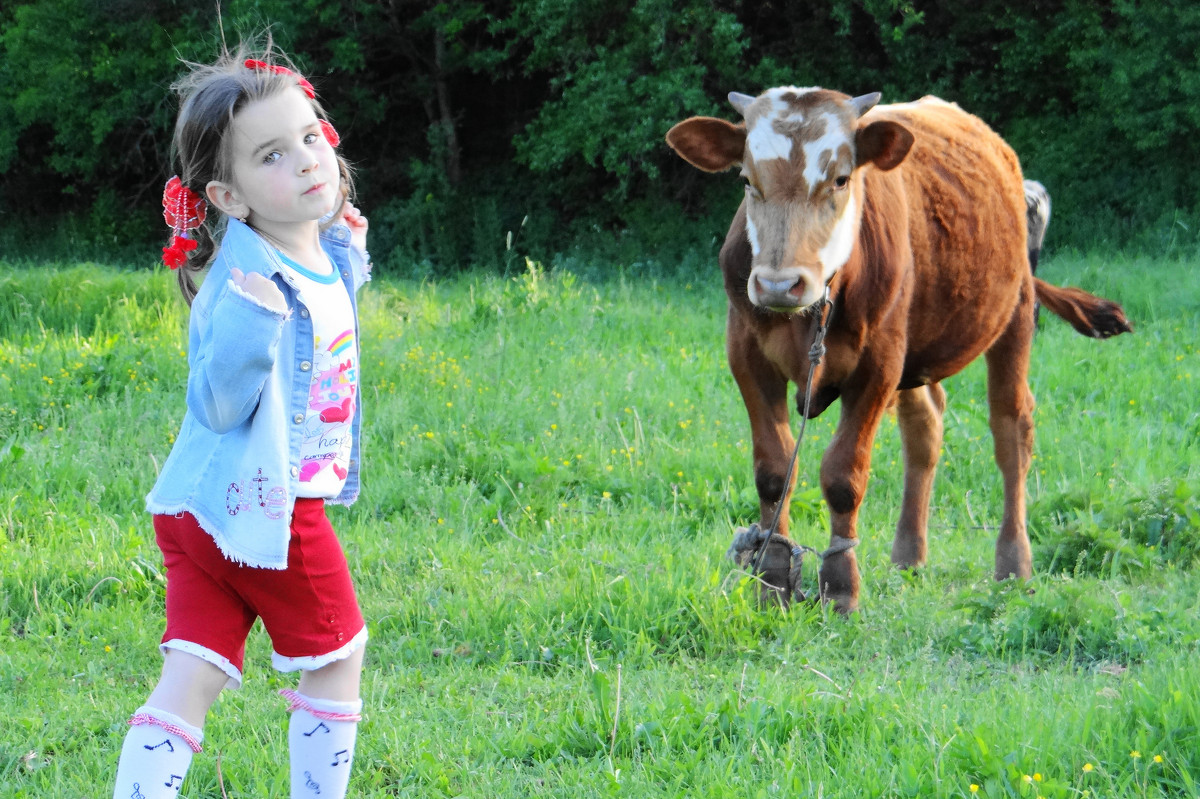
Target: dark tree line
x=468, y=117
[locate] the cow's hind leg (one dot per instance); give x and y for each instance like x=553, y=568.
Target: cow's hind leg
x=919, y=413
x=1010, y=414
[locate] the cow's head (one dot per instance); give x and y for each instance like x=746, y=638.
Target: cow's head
x=800, y=152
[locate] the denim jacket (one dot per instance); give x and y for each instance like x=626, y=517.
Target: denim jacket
x=235, y=464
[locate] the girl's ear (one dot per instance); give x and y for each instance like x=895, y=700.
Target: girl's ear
x=226, y=199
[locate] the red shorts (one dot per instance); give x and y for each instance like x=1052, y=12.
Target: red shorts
x=309, y=609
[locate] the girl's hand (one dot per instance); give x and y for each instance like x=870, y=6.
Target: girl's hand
x=358, y=225
x=260, y=288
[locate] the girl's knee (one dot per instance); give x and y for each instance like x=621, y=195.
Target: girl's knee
x=337, y=680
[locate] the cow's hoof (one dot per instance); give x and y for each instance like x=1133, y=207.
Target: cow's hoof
x=908, y=553
x=838, y=580
x=1014, y=560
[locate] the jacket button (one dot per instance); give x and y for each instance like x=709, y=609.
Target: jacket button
x=298, y=418
x=295, y=471
x=305, y=366
x=303, y=313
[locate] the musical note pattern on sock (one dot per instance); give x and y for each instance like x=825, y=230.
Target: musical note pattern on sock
x=321, y=736
x=156, y=755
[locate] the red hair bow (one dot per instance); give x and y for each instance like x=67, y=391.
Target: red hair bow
x=331, y=135
x=259, y=66
x=183, y=210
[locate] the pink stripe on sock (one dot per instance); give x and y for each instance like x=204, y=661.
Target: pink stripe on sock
x=300, y=702
x=146, y=718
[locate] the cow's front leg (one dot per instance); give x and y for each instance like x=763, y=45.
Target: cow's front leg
x=844, y=472
x=764, y=392
x=919, y=412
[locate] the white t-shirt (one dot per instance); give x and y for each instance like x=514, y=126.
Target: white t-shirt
x=332, y=396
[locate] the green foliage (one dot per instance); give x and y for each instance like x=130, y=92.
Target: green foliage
x=1135, y=532
x=620, y=77
x=466, y=116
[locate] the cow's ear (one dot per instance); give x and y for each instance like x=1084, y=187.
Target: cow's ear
x=883, y=143
x=713, y=145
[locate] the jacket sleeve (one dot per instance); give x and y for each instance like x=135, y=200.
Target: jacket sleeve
x=360, y=264
x=235, y=353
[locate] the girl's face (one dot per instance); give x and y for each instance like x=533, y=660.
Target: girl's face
x=284, y=172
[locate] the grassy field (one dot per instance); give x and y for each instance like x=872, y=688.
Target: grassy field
x=554, y=466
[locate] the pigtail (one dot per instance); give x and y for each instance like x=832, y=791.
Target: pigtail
x=184, y=211
x=196, y=261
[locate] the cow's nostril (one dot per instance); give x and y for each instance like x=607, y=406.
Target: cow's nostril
x=777, y=286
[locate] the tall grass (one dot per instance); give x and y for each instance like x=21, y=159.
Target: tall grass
x=554, y=466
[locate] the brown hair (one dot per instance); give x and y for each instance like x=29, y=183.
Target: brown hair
x=210, y=97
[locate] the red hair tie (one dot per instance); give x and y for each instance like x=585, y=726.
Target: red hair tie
x=331, y=135
x=183, y=210
x=261, y=66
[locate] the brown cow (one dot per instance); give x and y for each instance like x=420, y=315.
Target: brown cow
x=914, y=216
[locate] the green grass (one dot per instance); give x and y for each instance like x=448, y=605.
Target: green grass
x=554, y=469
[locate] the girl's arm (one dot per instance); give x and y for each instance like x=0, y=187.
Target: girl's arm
x=236, y=351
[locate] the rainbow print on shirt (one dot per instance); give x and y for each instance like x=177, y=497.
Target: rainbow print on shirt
x=331, y=405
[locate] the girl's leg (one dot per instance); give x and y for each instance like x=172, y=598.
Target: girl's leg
x=166, y=731
x=338, y=680
x=324, y=728
x=188, y=686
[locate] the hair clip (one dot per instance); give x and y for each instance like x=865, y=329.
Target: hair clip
x=259, y=66
x=330, y=134
x=183, y=210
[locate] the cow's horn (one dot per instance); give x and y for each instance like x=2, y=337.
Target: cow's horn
x=864, y=103
x=740, y=101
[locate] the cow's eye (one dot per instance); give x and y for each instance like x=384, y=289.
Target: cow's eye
x=750, y=189
x=841, y=182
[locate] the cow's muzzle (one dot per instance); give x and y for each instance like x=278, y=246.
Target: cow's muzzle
x=784, y=293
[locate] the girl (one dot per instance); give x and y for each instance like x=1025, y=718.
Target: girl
x=271, y=428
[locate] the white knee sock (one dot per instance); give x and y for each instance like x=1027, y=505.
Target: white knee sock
x=155, y=757
x=321, y=738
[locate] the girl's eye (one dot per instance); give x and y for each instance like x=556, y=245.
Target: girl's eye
x=271, y=157
x=311, y=138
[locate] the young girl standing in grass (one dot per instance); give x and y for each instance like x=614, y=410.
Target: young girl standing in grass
x=271, y=428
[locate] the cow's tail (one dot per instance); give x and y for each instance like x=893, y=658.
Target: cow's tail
x=1090, y=315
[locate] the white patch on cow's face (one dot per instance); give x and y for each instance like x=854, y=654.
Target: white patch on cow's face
x=836, y=252
x=752, y=234
x=833, y=139
x=764, y=141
